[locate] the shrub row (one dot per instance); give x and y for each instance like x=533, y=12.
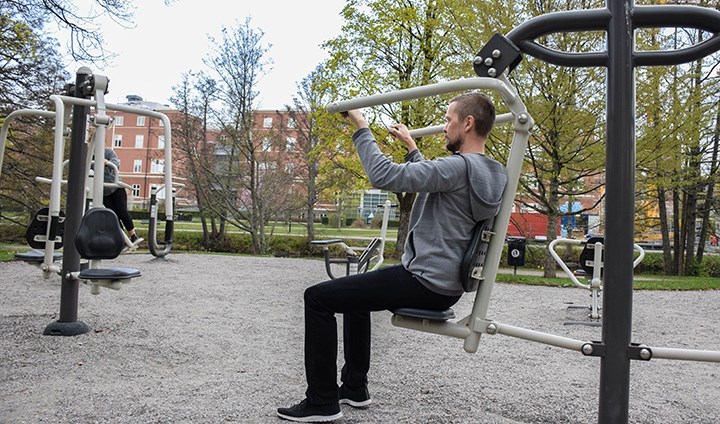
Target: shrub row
x=299, y=247
x=143, y=215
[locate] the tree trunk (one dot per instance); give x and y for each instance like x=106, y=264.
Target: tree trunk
x=677, y=230
x=665, y=232
x=550, y=267
x=710, y=191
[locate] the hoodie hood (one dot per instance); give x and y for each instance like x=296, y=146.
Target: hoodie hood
x=487, y=179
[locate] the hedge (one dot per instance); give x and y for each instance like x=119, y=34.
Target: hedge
x=299, y=247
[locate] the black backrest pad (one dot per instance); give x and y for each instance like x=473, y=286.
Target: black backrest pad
x=38, y=226
x=587, y=256
x=99, y=235
x=475, y=255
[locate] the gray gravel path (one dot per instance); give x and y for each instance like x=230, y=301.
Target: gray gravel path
x=211, y=339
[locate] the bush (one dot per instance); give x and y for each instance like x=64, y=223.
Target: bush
x=12, y=233
x=710, y=266
x=143, y=215
x=652, y=263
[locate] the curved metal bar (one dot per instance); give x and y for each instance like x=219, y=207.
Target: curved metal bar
x=597, y=19
x=157, y=248
x=10, y=118
x=563, y=265
x=556, y=57
x=675, y=57
x=676, y=16
x=569, y=21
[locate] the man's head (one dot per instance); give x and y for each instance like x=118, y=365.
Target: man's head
x=468, y=115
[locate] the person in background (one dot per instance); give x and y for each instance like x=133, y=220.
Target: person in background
x=115, y=198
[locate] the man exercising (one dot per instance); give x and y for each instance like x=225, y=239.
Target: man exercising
x=454, y=193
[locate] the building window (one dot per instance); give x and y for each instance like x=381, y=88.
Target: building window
x=136, y=190
x=140, y=121
x=119, y=121
x=161, y=142
x=157, y=166
x=289, y=167
x=161, y=123
x=139, y=140
x=117, y=141
x=267, y=166
x=291, y=123
x=266, y=145
x=290, y=146
x=137, y=166
x=267, y=122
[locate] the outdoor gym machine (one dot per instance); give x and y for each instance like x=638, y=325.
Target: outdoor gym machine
x=619, y=19
x=591, y=265
x=95, y=234
x=371, y=257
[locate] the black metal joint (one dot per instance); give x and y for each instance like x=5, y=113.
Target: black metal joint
x=496, y=56
x=593, y=349
x=639, y=352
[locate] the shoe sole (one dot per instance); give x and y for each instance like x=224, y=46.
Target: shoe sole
x=311, y=418
x=355, y=404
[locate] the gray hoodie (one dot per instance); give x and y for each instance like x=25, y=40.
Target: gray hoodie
x=445, y=210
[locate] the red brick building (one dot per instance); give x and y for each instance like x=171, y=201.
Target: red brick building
x=139, y=143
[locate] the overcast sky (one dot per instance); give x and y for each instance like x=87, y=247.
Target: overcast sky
x=169, y=40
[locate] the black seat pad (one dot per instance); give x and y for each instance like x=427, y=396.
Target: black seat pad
x=109, y=273
x=431, y=314
x=36, y=255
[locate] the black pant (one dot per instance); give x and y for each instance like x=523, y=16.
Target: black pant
x=117, y=201
x=354, y=296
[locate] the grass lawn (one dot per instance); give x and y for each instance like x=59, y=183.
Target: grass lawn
x=642, y=282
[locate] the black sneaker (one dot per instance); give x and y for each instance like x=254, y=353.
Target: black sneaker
x=358, y=398
x=305, y=412
x=133, y=238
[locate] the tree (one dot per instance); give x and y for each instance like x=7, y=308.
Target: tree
x=249, y=184
x=565, y=153
x=676, y=149
x=388, y=45
x=30, y=71
x=86, y=40
x=307, y=106
x=190, y=139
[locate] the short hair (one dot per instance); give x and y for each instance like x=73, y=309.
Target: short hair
x=480, y=107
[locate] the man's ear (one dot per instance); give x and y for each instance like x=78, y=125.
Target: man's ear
x=469, y=122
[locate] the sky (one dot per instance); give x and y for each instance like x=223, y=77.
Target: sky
x=168, y=41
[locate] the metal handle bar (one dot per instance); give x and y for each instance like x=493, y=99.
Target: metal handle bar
x=438, y=129
x=497, y=84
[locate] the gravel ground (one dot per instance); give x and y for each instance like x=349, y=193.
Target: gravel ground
x=210, y=339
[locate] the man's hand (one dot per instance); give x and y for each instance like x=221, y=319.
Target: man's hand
x=401, y=132
x=356, y=117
